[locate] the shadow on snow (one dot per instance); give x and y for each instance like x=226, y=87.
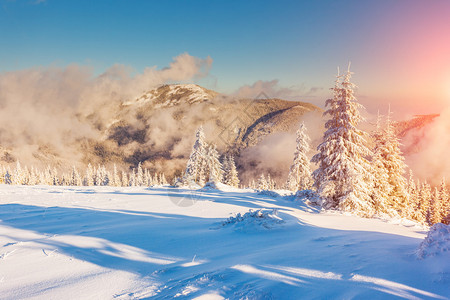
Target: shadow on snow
x=165, y=245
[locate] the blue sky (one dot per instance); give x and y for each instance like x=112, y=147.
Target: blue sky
x=300, y=43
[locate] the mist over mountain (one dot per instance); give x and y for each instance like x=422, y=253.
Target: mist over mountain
x=157, y=128
x=66, y=117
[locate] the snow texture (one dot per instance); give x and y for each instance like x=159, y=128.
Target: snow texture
x=102, y=242
x=266, y=219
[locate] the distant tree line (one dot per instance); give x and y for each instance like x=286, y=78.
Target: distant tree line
x=93, y=176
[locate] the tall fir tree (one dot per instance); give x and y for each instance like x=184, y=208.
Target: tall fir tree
x=270, y=183
x=413, y=190
x=424, y=203
x=344, y=176
x=18, y=175
x=125, y=180
x=139, y=175
x=115, y=177
x=394, y=164
x=381, y=187
x=162, y=179
x=25, y=176
x=444, y=200
x=48, y=176
x=75, y=178
x=262, y=184
x=195, y=168
x=33, y=178
x=435, y=207
x=231, y=176
x=55, y=178
x=89, y=176
x=132, y=178
x=214, y=165
x=300, y=177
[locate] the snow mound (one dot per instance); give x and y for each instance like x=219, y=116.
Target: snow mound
x=212, y=185
x=436, y=242
x=309, y=197
x=270, y=193
x=266, y=219
x=186, y=185
x=218, y=186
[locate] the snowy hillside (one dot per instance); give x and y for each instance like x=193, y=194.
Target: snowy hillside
x=134, y=243
x=173, y=94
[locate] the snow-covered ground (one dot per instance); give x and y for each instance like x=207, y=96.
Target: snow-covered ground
x=128, y=243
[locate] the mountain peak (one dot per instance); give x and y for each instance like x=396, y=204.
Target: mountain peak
x=173, y=94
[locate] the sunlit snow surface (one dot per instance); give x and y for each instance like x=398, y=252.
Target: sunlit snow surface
x=137, y=243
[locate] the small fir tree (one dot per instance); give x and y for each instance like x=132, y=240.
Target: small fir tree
x=299, y=177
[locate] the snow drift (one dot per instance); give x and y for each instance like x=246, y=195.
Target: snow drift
x=437, y=242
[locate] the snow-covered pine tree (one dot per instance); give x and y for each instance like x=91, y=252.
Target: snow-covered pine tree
x=424, y=203
x=154, y=179
x=18, y=176
x=98, y=177
x=393, y=161
x=299, y=177
x=262, y=183
x=132, y=180
x=270, y=182
x=162, y=179
x=79, y=179
x=107, y=178
x=231, y=176
x=413, y=197
x=33, y=178
x=147, y=178
x=26, y=176
x=344, y=176
x=414, y=202
x=72, y=180
x=411, y=187
x=381, y=186
x=55, y=179
x=139, y=175
x=102, y=176
x=214, y=165
x=435, y=207
x=444, y=200
x=89, y=176
x=64, y=180
x=48, y=176
x=175, y=180
x=41, y=179
x=125, y=181
x=195, y=168
x=115, y=177
x=226, y=168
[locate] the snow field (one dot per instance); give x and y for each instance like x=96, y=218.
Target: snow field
x=136, y=243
